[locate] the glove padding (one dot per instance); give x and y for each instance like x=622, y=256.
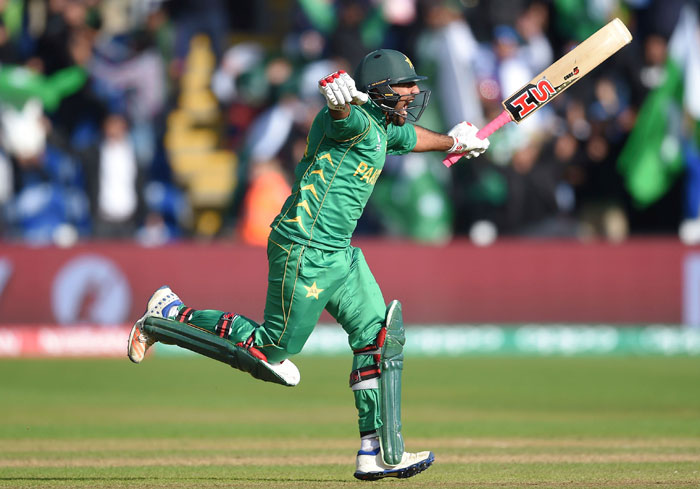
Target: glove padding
x=466, y=141
x=339, y=89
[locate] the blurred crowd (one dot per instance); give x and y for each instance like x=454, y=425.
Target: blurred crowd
x=159, y=120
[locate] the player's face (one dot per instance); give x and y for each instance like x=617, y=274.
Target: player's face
x=408, y=92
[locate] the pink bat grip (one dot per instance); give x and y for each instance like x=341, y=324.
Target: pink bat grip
x=493, y=126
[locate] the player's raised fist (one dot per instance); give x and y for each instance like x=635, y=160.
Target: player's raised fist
x=466, y=141
x=339, y=89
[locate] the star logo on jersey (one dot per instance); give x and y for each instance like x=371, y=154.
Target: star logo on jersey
x=379, y=143
x=313, y=291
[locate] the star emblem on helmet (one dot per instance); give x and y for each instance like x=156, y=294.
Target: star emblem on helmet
x=409, y=63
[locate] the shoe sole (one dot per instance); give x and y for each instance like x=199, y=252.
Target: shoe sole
x=404, y=473
x=134, y=329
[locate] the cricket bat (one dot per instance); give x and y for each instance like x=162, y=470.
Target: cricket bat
x=563, y=73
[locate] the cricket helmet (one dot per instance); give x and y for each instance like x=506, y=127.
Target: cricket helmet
x=385, y=67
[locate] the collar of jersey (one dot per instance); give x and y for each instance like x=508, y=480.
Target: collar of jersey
x=375, y=115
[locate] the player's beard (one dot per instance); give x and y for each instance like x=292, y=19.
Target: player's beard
x=396, y=119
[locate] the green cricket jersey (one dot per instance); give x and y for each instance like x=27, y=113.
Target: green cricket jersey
x=336, y=176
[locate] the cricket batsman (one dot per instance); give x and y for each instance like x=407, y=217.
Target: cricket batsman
x=313, y=267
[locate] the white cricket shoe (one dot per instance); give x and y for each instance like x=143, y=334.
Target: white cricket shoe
x=160, y=304
x=371, y=467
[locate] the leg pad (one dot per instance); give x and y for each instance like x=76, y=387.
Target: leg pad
x=391, y=365
x=205, y=343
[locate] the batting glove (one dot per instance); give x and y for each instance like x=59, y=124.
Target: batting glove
x=466, y=141
x=339, y=89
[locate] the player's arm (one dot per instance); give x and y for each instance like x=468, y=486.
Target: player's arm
x=427, y=140
x=461, y=139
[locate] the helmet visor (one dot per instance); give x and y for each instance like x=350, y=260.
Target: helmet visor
x=409, y=106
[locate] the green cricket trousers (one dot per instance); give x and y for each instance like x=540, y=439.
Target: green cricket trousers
x=302, y=282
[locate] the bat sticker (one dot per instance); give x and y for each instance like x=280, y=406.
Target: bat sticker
x=574, y=72
x=529, y=98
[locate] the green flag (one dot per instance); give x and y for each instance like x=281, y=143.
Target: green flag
x=652, y=159
x=412, y=201
x=19, y=84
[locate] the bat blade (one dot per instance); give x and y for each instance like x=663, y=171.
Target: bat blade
x=567, y=70
x=559, y=76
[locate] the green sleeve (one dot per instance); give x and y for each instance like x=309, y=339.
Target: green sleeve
x=400, y=139
x=343, y=129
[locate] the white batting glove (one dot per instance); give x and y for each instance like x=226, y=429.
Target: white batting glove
x=339, y=89
x=466, y=141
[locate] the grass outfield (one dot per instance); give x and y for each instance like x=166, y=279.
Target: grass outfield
x=589, y=422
